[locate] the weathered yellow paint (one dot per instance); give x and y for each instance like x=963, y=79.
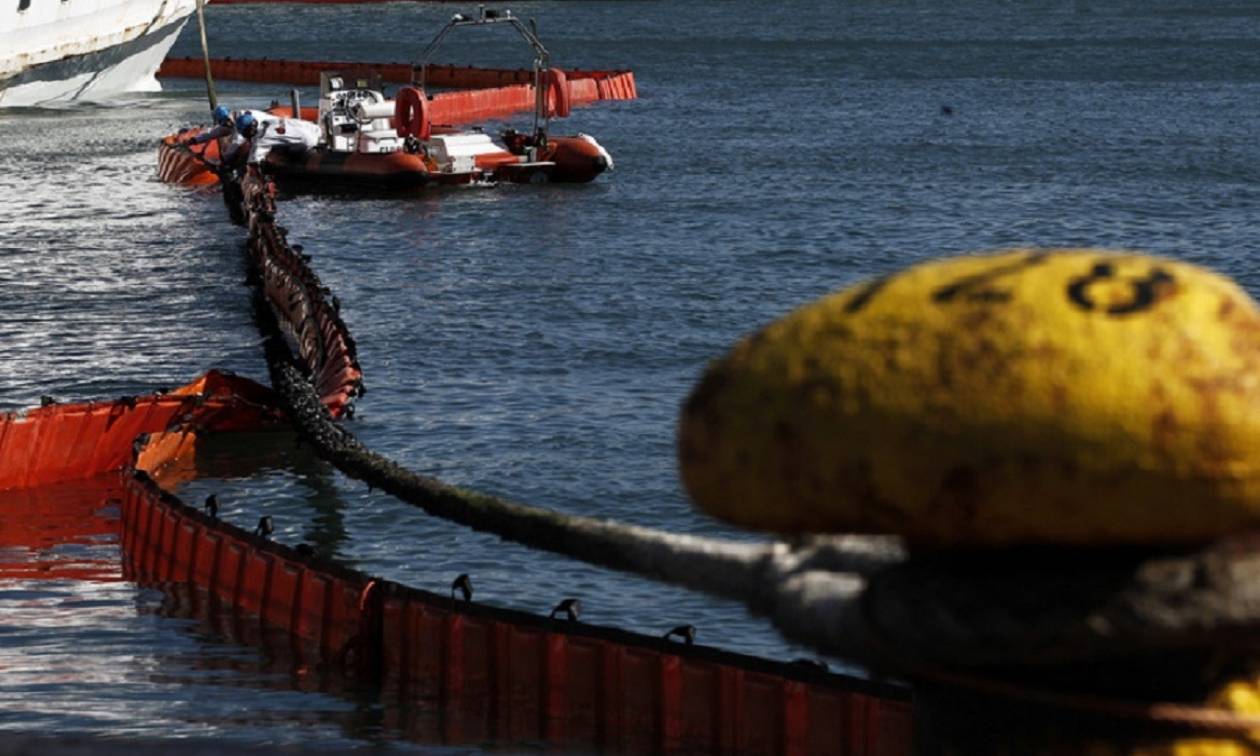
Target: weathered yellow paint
x=1062, y=396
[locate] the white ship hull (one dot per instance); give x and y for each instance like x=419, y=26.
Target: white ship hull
x=60, y=50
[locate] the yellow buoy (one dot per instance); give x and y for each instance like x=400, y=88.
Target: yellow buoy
x=1057, y=396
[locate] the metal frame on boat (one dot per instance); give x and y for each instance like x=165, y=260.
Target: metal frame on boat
x=486, y=16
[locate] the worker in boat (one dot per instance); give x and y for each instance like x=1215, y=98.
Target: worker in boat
x=222, y=125
x=253, y=134
x=291, y=135
x=223, y=129
x=235, y=147
x=223, y=117
x=233, y=135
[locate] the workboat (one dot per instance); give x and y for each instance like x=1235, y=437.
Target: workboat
x=60, y=50
x=367, y=138
x=370, y=140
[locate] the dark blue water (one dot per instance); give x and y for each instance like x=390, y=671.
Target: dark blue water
x=536, y=342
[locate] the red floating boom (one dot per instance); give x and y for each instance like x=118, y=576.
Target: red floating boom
x=584, y=86
x=305, y=2
x=483, y=674
x=60, y=442
x=306, y=313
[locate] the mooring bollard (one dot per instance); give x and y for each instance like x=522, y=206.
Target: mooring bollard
x=1069, y=443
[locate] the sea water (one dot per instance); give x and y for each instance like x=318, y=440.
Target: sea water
x=536, y=342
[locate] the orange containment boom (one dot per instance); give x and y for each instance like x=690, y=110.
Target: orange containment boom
x=36, y=525
x=190, y=165
x=478, y=674
x=183, y=163
x=59, y=442
x=585, y=87
x=304, y=2
x=465, y=673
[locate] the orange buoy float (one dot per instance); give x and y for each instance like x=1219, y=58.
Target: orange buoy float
x=559, y=102
x=411, y=113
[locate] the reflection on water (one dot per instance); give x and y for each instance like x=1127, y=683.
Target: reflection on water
x=366, y=709
x=223, y=461
x=257, y=657
x=64, y=532
x=84, y=651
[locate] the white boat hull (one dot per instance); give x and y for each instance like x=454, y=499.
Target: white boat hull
x=106, y=48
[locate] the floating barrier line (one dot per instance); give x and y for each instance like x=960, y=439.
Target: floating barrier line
x=584, y=86
x=307, y=2
x=59, y=442
x=553, y=679
x=310, y=317
x=760, y=575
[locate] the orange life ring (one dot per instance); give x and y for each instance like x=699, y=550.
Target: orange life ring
x=558, y=87
x=411, y=113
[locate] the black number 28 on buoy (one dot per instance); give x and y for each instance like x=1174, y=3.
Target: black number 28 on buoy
x=1056, y=396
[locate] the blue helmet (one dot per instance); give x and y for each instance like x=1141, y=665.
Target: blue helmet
x=245, y=121
x=222, y=115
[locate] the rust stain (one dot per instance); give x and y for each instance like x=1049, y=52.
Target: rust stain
x=1226, y=308
x=19, y=62
x=1164, y=432
x=1058, y=397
